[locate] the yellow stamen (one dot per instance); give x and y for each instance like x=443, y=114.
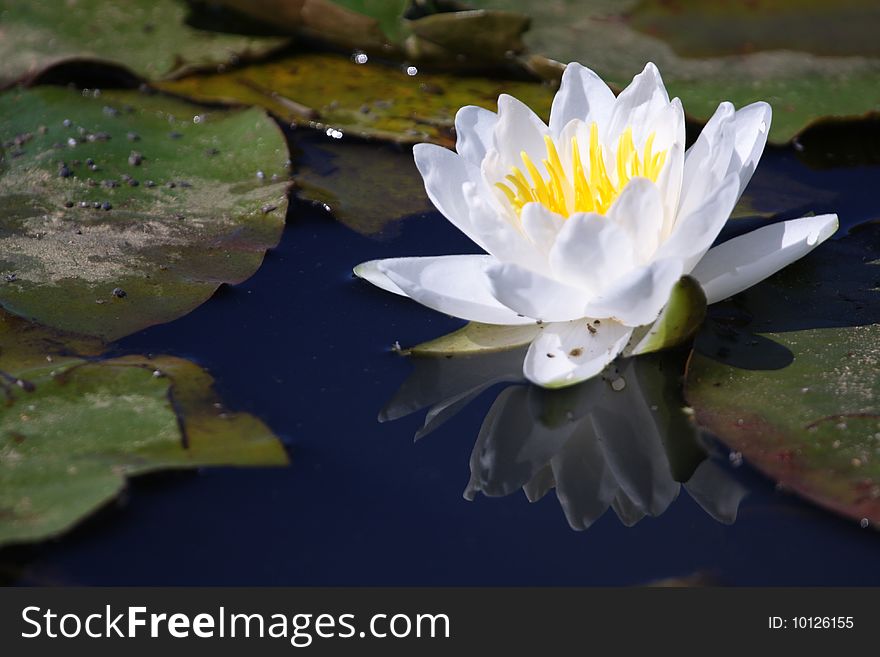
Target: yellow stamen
x=585, y=191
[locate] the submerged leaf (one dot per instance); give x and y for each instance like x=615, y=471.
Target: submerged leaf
x=367, y=186
x=151, y=38
x=335, y=94
x=74, y=427
x=124, y=210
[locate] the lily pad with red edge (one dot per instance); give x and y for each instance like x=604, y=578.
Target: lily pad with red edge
x=124, y=209
x=786, y=374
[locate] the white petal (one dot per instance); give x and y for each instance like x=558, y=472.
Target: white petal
x=739, y=263
x=473, y=132
x=541, y=225
x=582, y=95
x=707, y=162
x=566, y=353
x=637, y=105
x=455, y=285
x=638, y=297
x=695, y=232
x=518, y=129
x=751, y=125
x=445, y=174
x=591, y=251
x=639, y=211
x=371, y=272
x=456, y=187
x=534, y=295
x=670, y=182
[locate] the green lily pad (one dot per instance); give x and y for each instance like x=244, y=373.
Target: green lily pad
x=199, y=215
x=151, y=38
x=333, y=93
x=787, y=375
x=737, y=51
x=678, y=321
x=75, y=426
x=368, y=187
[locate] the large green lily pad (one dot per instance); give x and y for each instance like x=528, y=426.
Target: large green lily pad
x=209, y=200
x=151, y=38
x=336, y=94
x=737, y=51
x=787, y=375
x=75, y=426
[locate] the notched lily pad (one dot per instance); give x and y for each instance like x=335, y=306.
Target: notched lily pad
x=151, y=38
x=75, y=426
x=121, y=210
x=335, y=94
x=710, y=52
x=810, y=421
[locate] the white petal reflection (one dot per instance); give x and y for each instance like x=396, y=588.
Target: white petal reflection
x=618, y=441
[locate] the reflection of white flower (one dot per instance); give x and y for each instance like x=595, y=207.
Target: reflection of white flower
x=592, y=218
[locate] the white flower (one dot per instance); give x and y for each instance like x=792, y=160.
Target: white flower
x=595, y=217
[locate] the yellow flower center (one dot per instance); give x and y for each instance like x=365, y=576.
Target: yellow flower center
x=583, y=192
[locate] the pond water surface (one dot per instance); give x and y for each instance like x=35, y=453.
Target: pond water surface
x=305, y=346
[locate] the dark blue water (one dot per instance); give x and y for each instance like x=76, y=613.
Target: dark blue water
x=305, y=347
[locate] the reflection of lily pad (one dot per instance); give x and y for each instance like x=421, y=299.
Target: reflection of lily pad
x=801, y=86
x=369, y=100
x=149, y=37
x=165, y=205
x=813, y=422
x=73, y=428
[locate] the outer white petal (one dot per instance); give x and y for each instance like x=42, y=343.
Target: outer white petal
x=591, y=251
x=566, y=353
x=473, y=132
x=707, y=162
x=445, y=174
x=370, y=271
x=639, y=211
x=739, y=263
x=518, y=129
x=670, y=182
x=638, y=297
x=455, y=285
x=534, y=295
x=751, y=125
x=694, y=233
x=637, y=105
x=582, y=95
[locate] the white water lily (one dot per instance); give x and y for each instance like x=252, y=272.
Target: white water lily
x=589, y=222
